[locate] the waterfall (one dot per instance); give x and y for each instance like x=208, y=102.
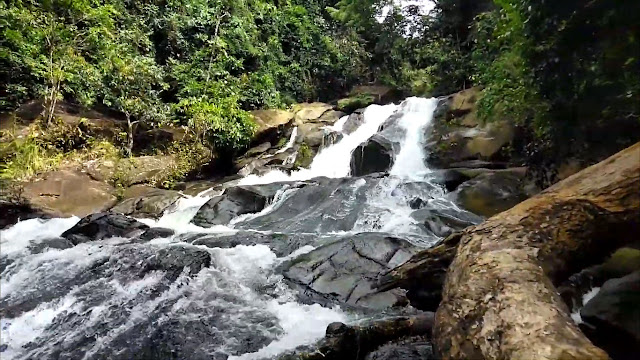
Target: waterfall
x=108, y=298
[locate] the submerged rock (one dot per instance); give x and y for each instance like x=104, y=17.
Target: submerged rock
x=103, y=225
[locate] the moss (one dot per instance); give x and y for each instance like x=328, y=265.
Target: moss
x=305, y=156
x=353, y=103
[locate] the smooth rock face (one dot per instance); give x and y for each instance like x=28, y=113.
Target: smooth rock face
x=614, y=317
x=443, y=222
x=146, y=202
x=233, y=202
x=66, y=193
x=103, y=225
x=353, y=122
x=491, y=193
x=318, y=206
x=269, y=121
x=347, y=269
x=375, y=155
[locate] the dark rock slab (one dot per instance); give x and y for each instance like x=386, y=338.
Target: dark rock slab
x=281, y=244
x=347, y=269
x=443, y=222
x=233, y=202
x=613, y=317
x=12, y=212
x=491, y=193
x=353, y=122
x=103, y=225
x=155, y=233
x=375, y=155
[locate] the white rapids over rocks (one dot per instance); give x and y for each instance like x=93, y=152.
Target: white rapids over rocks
x=237, y=273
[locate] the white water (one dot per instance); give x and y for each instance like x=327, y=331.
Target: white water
x=240, y=272
x=292, y=139
x=417, y=115
x=333, y=161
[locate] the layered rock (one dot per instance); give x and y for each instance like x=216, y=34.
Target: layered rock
x=346, y=270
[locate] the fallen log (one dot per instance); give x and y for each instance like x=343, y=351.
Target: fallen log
x=499, y=299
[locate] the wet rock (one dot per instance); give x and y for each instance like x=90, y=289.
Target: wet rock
x=39, y=246
x=103, y=225
x=281, y=244
x=65, y=193
x=347, y=269
x=491, y=193
x=378, y=339
x=443, y=222
x=175, y=259
x=155, y=233
x=353, y=122
x=450, y=178
x=235, y=201
x=12, y=212
x=375, y=155
x=413, y=348
x=612, y=317
x=318, y=206
x=622, y=262
x=146, y=202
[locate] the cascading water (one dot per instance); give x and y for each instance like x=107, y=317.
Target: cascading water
x=229, y=291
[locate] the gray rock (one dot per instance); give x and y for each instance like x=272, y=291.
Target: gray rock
x=235, y=201
x=613, y=316
x=491, y=193
x=103, y=225
x=347, y=269
x=375, y=155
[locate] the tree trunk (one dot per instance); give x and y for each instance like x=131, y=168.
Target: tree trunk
x=499, y=299
x=129, y=149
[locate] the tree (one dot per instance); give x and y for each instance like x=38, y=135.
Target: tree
x=133, y=87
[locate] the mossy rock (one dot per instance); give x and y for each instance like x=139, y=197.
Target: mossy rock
x=624, y=261
x=355, y=102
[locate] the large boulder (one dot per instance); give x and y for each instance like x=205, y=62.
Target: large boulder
x=68, y=192
x=374, y=155
x=347, y=269
x=145, y=201
x=270, y=123
x=613, y=316
x=130, y=171
x=233, y=202
x=491, y=193
x=103, y=225
x=310, y=112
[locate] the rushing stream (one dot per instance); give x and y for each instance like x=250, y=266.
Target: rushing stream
x=228, y=291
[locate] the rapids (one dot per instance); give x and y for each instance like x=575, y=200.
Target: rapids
x=175, y=296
